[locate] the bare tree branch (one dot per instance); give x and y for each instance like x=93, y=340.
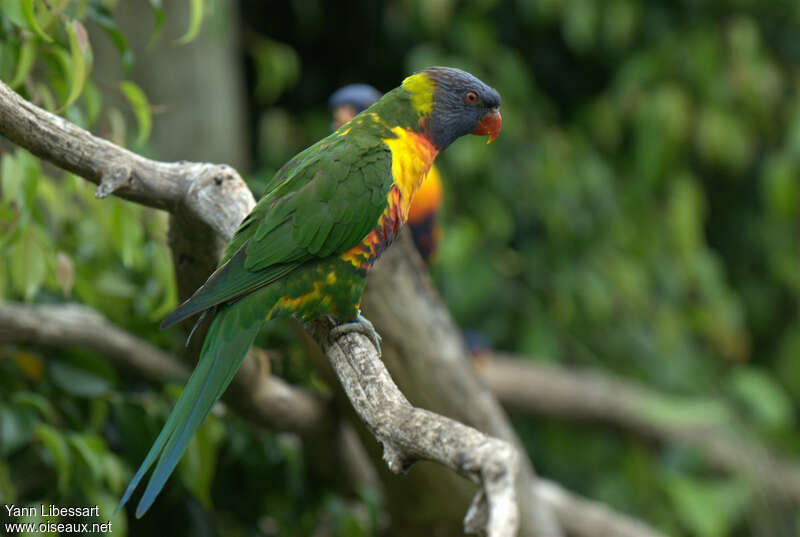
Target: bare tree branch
x=267, y=399
x=409, y=434
x=585, y=518
x=554, y=391
x=424, y=352
x=211, y=194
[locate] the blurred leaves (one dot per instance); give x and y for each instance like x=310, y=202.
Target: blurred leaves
x=141, y=109
x=707, y=508
x=195, y=20
x=277, y=68
x=81, y=56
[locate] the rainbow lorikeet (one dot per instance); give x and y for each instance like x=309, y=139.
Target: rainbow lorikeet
x=352, y=99
x=305, y=249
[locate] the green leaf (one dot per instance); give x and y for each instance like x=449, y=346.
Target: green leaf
x=763, y=395
x=47, y=101
x=19, y=174
x=55, y=444
x=195, y=20
x=163, y=272
x=115, y=472
x=93, y=102
x=30, y=20
x=102, y=17
x=31, y=175
x=78, y=381
x=11, y=176
x=141, y=108
x=117, y=125
x=15, y=428
x=28, y=267
x=25, y=60
x=13, y=10
x=91, y=450
x=126, y=232
x=707, y=508
x=36, y=401
x=158, y=21
x=8, y=492
x=80, y=59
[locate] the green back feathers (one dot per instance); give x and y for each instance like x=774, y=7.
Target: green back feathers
x=323, y=202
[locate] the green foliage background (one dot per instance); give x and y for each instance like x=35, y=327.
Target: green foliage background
x=639, y=213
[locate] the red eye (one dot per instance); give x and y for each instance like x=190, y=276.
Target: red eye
x=471, y=97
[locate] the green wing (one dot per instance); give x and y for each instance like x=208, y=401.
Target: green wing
x=323, y=202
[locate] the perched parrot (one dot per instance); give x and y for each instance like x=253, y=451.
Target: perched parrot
x=305, y=249
x=423, y=223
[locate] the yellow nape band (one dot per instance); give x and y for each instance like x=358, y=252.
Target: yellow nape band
x=421, y=87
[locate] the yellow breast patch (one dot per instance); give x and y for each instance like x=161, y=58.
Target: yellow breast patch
x=412, y=156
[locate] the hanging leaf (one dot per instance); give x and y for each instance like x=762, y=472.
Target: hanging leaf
x=77, y=381
x=90, y=449
x=12, y=9
x=36, y=401
x=11, y=177
x=25, y=60
x=80, y=59
x=92, y=102
x=141, y=108
x=30, y=18
x=763, y=395
x=195, y=20
x=44, y=98
x=16, y=427
x=28, y=267
x=158, y=22
x=116, y=122
x=53, y=441
x=707, y=508
x=102, y=16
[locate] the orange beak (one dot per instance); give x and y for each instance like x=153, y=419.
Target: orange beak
x=489, y=125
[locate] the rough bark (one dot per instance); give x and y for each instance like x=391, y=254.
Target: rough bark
x=409, y=434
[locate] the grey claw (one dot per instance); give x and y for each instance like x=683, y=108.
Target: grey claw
x=361, y=325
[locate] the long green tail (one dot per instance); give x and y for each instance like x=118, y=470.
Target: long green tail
x=232, y=332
